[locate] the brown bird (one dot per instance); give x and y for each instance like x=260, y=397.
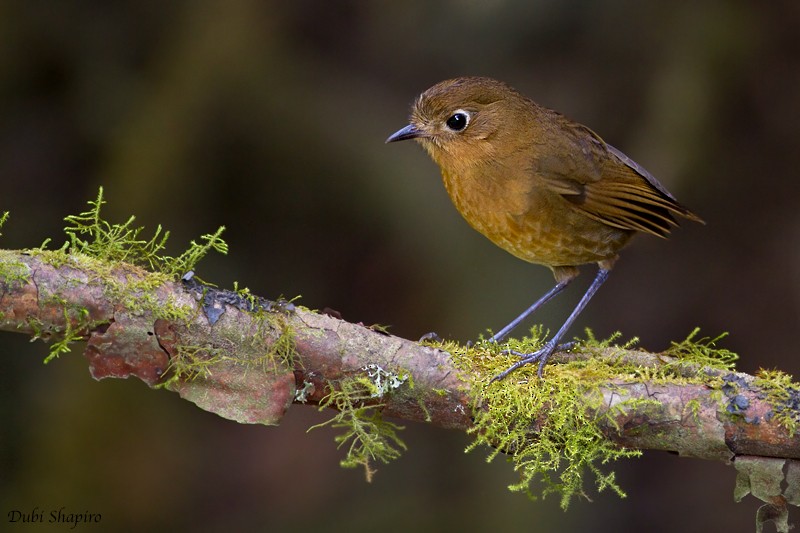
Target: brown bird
x=542, y=187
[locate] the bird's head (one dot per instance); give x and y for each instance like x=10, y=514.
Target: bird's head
x=464, y=122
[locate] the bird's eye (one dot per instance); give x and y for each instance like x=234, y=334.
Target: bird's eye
x=458, y=121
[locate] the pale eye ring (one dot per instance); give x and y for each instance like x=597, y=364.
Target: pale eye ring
x=458, y=121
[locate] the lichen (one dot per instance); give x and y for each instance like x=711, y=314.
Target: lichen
x=385, y=381
x=306, y=389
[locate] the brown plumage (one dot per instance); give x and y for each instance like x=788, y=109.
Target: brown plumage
x=542, y=187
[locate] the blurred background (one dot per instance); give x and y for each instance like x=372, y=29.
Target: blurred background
x=270, y=118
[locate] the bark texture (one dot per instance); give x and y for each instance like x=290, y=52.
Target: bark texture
x=135, y=327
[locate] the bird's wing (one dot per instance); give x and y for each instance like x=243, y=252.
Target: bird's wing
x=608, y=186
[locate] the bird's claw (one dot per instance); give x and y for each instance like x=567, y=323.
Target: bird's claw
x=541, y=356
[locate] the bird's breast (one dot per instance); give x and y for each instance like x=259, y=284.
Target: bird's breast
x=530, y=222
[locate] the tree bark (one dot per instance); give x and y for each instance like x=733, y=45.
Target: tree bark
x=118, y=311
x=123, y=339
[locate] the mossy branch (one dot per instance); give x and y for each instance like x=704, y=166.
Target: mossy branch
x=707, y=405
x=249, y=359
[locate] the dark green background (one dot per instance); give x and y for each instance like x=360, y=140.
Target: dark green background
x=269, y=118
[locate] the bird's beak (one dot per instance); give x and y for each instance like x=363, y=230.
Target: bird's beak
x=409, y=132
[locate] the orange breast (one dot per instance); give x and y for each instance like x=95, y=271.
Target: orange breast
x=532, y=223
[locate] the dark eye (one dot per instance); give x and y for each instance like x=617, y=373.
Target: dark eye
x=458, y=121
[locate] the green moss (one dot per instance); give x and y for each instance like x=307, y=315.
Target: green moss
x=693, y=407
x=192, y=362
x=703, y=352
x=283, y=352
x=550, y=427
x=783, y=394
x=380, y=328
x=76, y=319
x=129, y=268
x=245, y=294
x=131, y=287
x=12, y=272
x=368, y=437
x=3, y=219
x=270, y=317
x=89, y=234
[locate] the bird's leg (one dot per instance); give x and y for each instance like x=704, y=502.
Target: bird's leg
x=550, y=346
x=560, y=286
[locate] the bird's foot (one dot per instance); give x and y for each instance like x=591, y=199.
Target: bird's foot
x=541, y=356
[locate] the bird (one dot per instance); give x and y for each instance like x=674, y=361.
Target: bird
x=544, y=188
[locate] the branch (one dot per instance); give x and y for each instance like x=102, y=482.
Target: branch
x=248, y=359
